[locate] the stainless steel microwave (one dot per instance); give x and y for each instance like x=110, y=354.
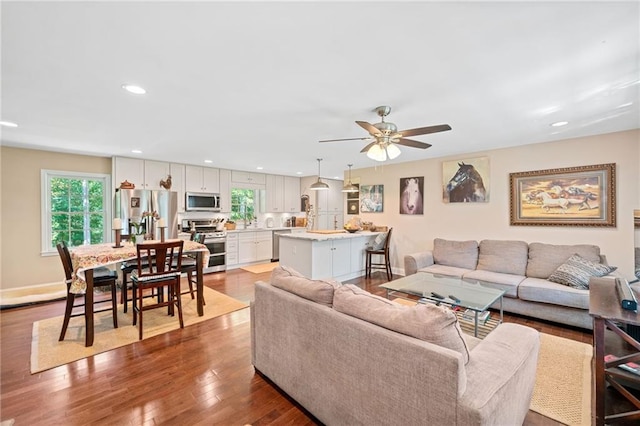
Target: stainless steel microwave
x=202, y=202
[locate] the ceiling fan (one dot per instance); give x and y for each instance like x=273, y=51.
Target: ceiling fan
x=384, y=136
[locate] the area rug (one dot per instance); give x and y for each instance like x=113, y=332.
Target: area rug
x=563, y=381
x=263, y=267
x=47, y=352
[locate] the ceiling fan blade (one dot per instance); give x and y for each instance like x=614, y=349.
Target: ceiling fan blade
x=412, y=143
x=347, y=139
x=369, y=128
x=425, y=130
x=366, y=148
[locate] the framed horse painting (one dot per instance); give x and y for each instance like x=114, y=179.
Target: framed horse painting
x=411, y=190
x=572, y=196
x=466, y=181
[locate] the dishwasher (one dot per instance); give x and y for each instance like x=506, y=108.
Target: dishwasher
x=275, y=253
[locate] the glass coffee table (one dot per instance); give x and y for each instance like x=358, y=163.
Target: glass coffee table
x=451, y=291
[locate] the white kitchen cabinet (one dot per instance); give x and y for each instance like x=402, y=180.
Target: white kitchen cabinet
x=129, y=169
x=332, y=258
x=232, y=248
x=274, y=193
x=329, y=220
x=248, y=177
x=291, y=197
x=154, y=172
x=202, y=179
x=254, y=246
x=177, y=182
x=225, y=191
x=331, y=200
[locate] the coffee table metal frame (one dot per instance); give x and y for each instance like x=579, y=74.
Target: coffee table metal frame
x=455, y=292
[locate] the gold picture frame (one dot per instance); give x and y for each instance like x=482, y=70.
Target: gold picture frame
x=572, y=196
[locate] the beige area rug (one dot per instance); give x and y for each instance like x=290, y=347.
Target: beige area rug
x=563, y=380
x=263, y=267
x=47, y=352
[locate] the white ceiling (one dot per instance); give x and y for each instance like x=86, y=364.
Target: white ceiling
x=248, y=84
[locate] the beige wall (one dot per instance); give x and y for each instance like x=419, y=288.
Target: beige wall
x=477, y=221
x=20, y=229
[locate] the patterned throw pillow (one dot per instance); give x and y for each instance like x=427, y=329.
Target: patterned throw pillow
x=576, y=271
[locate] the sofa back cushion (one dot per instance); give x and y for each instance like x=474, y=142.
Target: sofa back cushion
x=544, y=259
x=426, y=322
x=461, y=254
x=319, y=291
x=507, y=257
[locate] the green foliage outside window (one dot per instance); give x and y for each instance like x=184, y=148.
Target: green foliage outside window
x=77, y=213
x=242, y=204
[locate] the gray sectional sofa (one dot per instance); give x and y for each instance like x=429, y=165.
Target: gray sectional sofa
x=353, y=358
x=522, y=270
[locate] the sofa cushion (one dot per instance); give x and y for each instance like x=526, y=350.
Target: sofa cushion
x=319, y=291
x=507, y=282
x=426, y=322
x=544, y=291
x=461, y=254
x=576, y=271
x=507, y=257
x=544, y=259
x=450, y=271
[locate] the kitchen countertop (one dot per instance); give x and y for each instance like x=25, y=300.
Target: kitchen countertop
x=325, y=237
x=280, y=228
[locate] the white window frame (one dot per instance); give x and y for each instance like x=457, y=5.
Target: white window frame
x=45, y=212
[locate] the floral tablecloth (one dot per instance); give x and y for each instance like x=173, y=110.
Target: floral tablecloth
x=94, y=255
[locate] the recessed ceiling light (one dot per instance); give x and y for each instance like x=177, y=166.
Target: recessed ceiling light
x=337, y=177
x=8, y=124
x=136, y=151
x=136, y=90
x=559, y=123
x=208, y=161
x=259, y=168
x=298, y=173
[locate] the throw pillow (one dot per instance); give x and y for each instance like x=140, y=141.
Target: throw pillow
x=378, y=243
x=319, y=291
x=576, y=271
x=426, y=322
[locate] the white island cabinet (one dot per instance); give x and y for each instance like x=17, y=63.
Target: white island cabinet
x=318, y=256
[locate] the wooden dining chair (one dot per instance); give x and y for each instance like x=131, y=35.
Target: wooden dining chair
x=379, y=251
x=159, y=265
x=102, y=277
x=189, y=264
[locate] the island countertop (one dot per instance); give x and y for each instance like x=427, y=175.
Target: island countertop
x=324, y=237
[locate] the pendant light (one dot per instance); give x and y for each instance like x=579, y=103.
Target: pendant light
x=350, y=187
x=319, y=185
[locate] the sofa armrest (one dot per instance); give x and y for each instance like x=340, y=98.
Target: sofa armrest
x=415, y=261
x=501, y=374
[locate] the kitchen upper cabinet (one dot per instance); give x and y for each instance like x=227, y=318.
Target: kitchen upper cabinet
x=331, y=200
x=274, y=194
x=144, y=174
x=202, y=179
x=291, y=198
x=254, y=246
x=225, y=191
x=177, y=182
x=248, y=177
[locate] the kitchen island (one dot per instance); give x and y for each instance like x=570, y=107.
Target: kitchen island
x=316, y=256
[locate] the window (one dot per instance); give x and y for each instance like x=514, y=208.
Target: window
x=75, y=208
x=243, y=204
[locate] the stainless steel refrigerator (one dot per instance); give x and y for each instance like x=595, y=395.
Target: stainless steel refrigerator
x=130, y=204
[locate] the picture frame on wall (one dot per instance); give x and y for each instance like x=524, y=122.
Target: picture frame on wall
x=572, y=196
x=466, y=181
x=411, y=190
x=353, y=206
x=371, y=198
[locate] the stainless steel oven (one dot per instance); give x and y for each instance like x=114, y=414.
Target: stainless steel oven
x=216, y=242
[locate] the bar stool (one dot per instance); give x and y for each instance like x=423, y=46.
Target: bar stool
x=379, y=251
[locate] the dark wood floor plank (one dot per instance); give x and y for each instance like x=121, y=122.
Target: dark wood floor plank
x=200, y=375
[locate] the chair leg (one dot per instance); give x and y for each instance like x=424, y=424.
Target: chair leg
x=67, y=314
x=178, y=301
x=190, y=280
x=124, y=291
x=114, y=304
x=134, y=303
x=139, y=313
x=387, y=262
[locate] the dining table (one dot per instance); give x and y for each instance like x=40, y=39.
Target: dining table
x=87, y=257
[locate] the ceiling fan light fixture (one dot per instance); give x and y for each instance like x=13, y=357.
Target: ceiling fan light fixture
x=350, y=187
x=319, y=185
x=393, y=151
x=377, y=153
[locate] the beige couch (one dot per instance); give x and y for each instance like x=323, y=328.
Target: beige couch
x=346, y=370
x=523, y=271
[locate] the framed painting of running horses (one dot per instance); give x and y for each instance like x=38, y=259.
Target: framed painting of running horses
x=466, y=181
x=572, y=196
x=411, y=190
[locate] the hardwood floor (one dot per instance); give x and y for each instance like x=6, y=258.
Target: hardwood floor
x=199, y=375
